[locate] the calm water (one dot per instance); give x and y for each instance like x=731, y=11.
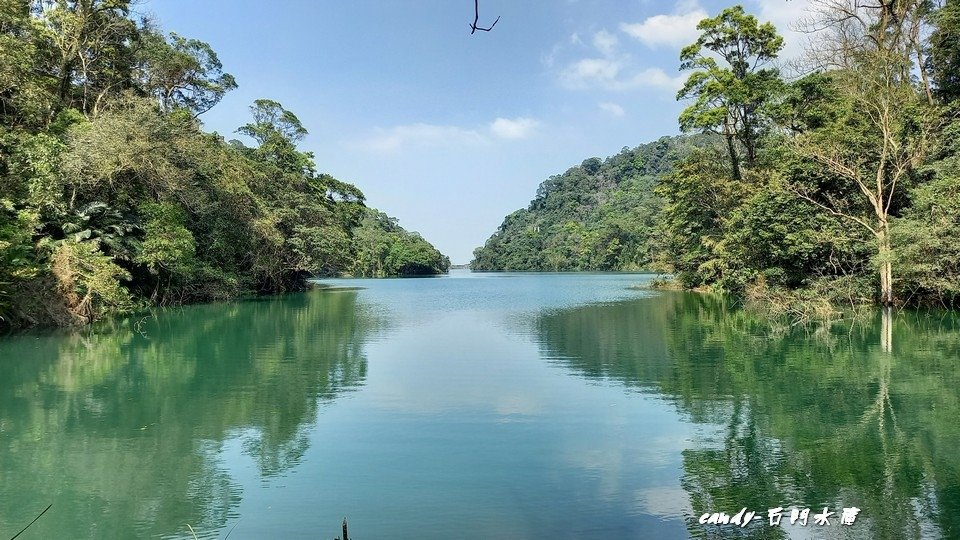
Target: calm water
x=478, y=406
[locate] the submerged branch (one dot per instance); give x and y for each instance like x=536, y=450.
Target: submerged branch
x=32, y=522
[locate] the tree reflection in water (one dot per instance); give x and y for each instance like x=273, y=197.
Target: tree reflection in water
x=123, y=427
x=859, y=415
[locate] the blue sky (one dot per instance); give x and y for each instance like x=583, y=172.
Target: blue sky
x=448, y=131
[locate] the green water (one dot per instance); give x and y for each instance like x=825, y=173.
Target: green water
x=479, y=406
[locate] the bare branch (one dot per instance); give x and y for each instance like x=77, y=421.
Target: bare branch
x=803, y=195
x=476, y=18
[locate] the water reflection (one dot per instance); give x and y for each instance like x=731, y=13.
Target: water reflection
x=463, y=431
x=862, y=415
x=123, y=428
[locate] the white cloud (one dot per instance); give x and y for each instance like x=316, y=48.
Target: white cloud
x=783, y=14
x=786, y=16
x=615, y=70
x=392, y=139
x=550, y=58
x=605, y=42
x=591, y=71
x=674, y=30
x=655, y=77
x=387, y=140
x=518, y=128
x=612, y=108
x=606, y=74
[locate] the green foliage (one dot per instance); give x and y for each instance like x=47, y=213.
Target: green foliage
x=600, y=215
x=384, y=248
x=33, y=170
x=277, y=131
x=86, y=47
x=697, y=197
x=732, y=234
x=849, y=185
x=168, y=246
x=759, y=235
x=926, y=240
x=22, y=94
x=734, y=228
x=17, y=261
x=926, y=236
x=89, y=281
x=787, y=242
x=181, y=72
x=111, y=196
x=944, y=58
x=731, y=100
x=808, y=103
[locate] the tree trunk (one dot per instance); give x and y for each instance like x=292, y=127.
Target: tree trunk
x=885, y=252
x=732, y=149
x=749, y=139
x=923, y=74
x=886, y=329
x=65, y=86
x=888, y=299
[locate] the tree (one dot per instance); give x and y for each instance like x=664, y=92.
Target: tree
x=730, y=100
x=944, y=59
x=600, y=215
x=22, y=94
x=89, y=42
x=277, y=132
x=17, y=261
x=884, y=126
x=181, y=72
x=315, y=213
x=270, y=120
x=697, y=198
x=926, y=235
x=846, y=31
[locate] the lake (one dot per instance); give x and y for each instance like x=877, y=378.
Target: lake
x=480, y=406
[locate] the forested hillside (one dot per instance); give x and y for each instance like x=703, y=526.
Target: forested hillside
x=599, y=215
x=113, y=197
x=384, y=248
x=836, y=186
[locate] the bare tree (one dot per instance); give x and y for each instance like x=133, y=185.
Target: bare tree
x=868, y=47
x=848, y=29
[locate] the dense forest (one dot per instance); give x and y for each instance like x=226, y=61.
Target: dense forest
x=836, y=185
x=599, y=215
x=112, y=197
x=383, y=248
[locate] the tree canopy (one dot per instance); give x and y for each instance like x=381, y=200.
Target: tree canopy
x=731, y=99
x=600, y=215
x=112, y=197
